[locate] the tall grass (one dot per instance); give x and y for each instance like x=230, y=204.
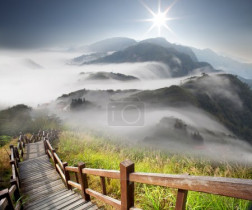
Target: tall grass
x=99, y=152
x=5, y=169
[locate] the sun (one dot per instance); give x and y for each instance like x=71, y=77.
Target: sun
x=159, y=20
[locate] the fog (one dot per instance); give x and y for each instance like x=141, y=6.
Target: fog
x=40, y=77
x=37, y=77
x=219, y=143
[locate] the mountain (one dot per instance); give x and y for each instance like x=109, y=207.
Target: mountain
x=164, y=43
x=112, y=44
x=247, y=81
x=224, y=63
x=180, y=64
x=86, y=58
x=223, y=97
x=108, y=76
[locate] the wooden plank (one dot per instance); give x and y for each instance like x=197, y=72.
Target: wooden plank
x=114, y=174
x=75, y=204
x=44, y=199
x=86, y=206
x=37, y=166
x=39, y=179
x=232, y=187
x=111, y=201
x=50, y=202
x=36, y=159
x=181, y=200
x=67, y=201
x=38, y=184
x=45, y=193
x=33, y=189
x=40, y=174
x=74, y=184
x=3, y=203
x=34, y=171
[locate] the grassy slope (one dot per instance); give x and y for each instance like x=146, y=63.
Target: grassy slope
x=98, y=152
x=5, y=169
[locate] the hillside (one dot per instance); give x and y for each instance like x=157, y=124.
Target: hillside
x=111, y=44
x=108, y=76
x=224, y=97
x=180, y=64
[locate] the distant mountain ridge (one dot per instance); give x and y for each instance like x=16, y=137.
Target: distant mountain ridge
x=179, y=63
x=224, y=63
x=111, y=44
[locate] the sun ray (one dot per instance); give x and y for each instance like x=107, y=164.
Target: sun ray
x=148, y=8
x=160, y=18
x=170, y=7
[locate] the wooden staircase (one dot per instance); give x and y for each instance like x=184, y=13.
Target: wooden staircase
x=42, y=186
x=52, y=185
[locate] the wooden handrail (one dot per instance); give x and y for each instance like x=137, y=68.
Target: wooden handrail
x=111, y=201
x=74, y=184
x=12, y=190
x=232, y=187
x=58, y=160
x=72, y=169
x=114, y=174
x=61, y=173
x=3, y=203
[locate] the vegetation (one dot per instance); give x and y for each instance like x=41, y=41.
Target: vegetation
x=23, y=118
x=4, y=140
x=5, y=172
x=102, y=152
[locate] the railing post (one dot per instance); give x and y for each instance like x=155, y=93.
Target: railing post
x=67, y=176
x=181, y=199
x=103, y=184
x=5, y=194
x=45, y=146
x=127, y=187
x=16, y=153
x=83, y=182
x=76, y=177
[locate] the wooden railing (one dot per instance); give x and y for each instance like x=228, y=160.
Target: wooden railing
x=10, y=198
x=232, y=187
x=7, y=195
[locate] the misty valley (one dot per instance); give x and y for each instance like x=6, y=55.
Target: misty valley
x=150, y=93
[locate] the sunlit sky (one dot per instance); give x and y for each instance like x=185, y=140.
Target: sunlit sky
x=222, y=25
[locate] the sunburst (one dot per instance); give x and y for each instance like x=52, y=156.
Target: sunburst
x=159, y=20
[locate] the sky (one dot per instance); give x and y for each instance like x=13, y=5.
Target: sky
x=224, y=26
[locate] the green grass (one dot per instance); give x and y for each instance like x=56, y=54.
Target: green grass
x=4, y=140
x=100, y=152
